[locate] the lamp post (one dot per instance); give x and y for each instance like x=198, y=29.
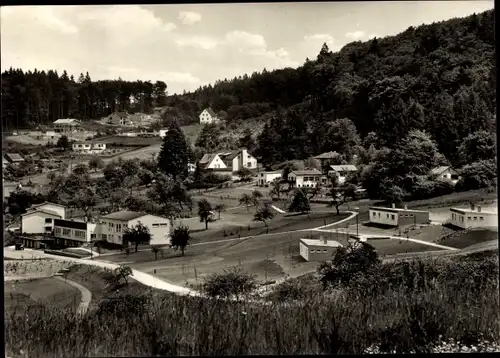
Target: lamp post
x=357, y=222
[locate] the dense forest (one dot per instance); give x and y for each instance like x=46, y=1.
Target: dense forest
x=438, y=78
x=40, y=97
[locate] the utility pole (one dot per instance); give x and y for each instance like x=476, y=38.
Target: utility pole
x=357, y=222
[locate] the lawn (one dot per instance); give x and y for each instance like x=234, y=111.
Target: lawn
x=386, y=247
x=56, y=293
x=119, y=141
x=463, y=239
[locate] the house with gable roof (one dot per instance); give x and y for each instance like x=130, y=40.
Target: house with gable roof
x=208, y=116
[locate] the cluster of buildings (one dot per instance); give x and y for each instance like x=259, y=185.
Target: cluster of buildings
x=47, y=223
x=228, y=162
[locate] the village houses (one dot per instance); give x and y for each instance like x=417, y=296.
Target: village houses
x=230, y=161
x=67, y=125
x=208, y=116
x=342, y=172
x=265, y=178
x=305, y=178
x=89, y=148
x=40, y=218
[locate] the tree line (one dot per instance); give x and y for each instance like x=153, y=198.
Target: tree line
x=33, y=98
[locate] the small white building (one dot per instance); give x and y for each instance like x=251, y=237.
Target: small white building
x=398, y=216
x=163, y=132
x=212, y=161
x=75, y=233
x=40, y=218
x=473, y=217
x=238, y=159
x=191, y=168
x=318, y=249
x=342, y=171
x=113, y=225
x=66, y=125
x=304, y=178
x=446, y=173
x=89, y=148
x=265, y=178
x=208, y=116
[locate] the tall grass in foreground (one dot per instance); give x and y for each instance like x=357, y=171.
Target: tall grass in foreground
x=459, y=300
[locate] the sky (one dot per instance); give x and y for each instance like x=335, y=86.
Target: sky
x=191, y=45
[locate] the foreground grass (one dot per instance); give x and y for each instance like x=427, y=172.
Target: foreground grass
x=406, y=309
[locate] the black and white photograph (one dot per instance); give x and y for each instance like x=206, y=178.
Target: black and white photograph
x=225, y=179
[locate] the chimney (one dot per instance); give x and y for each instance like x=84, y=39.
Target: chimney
x=406, y=207
x=479, y=208
x=324, y=239
x=472, y=206
x=393, y=206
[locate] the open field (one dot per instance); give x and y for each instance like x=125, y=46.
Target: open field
x=119, y=141
x=386, y=247
x=49, y=291
x=462, y=240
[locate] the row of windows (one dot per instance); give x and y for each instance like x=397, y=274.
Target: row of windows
x=469, y=218
x=318, y=251
x=67, y=232
x=160, y=225
x=393, y=217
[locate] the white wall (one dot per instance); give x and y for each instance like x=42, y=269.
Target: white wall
x=236, y=163
x=205, y=117
x=304, y=251
x=247, y=159
x=301, y=183
x=466, y=220
x=158, y=227
x=112, y=233
x=217, y=163
x=35, y=223
x=268, y=177
x=383, y=217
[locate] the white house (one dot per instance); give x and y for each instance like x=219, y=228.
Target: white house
x=446, y=173
x=473, y=217
x=40, y=218
x=342, y=171
x=268, y=177
x=304, y=178
x=65, y=125
x=191, y=168
x=238, y=159
x=211, y=161
x=89, y=148
x=75, y=233
x=320, y=249
x=398, y=217
x=113, y=225
x=163, y=132
x=208, y=116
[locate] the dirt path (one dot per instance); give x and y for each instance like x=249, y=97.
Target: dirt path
x=86, y=295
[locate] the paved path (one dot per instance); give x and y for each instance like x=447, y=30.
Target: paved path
x=86, y=294
x=281, y=211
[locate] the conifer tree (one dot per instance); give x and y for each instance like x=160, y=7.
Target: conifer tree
x=173, y=157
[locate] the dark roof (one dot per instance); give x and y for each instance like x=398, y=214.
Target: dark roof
x=327, y=155
x=70, y=224
x=43, y=211
x=14, y=157
x=211, y=112
x=123, y=215
x=207, y=158
x=230, y=155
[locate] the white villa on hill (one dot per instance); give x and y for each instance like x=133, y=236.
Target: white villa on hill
x=305, y=178
x=342, y=171
x=208, y=116
x=66, y=125
x=446, y=173
x=231, y=161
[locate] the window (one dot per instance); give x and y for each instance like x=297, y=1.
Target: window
x=48, y=229
x=379, y=215
x=453, y=216
x=468, y=218
x=312, y=251
x=92, y=236
x=475, y=218
x=104, y=236
x=387, y=216
x=57, y=230
x=104, y=222
x=118, y=227
x=392, y=217
x=249, y=164
x=374, y=214
x=156, y=225
x=66, y=232
x=325, y=251
x=79, y=233
x=48, y=220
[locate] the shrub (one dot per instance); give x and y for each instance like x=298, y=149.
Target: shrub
x=431, y=189
x=234, y=282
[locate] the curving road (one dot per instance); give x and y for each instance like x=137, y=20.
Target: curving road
x=86, y=295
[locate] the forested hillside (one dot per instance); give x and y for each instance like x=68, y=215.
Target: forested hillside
x=438, y=78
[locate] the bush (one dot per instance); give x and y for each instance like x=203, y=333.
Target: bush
x=234, y=282
x=482, y=174
x=431, y=189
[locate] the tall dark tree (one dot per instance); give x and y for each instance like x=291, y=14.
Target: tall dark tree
x=173, y=158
